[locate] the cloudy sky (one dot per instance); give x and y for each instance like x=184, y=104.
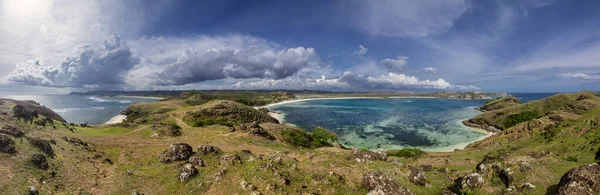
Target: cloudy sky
x=56, y=46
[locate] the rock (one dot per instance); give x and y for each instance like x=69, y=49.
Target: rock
x=527, y=186
x=176, y=152
x=42, y=144
x=417, y=177
x=598, y=155
x=205, y=149
x=339, y=145
x=135, y=192
x=39, y=160
x=219, y=175
x=78, y=142
x=247, y=186
x=33, y=191
x=378, y=183
x=230, y=159
x=525, y=166
x=196, y=161
x=267, y=166
x=187, y=171
x=271, y=187
x=7, y=145
x=581, y=180
x=481, y=168
x=12, y=130
x=510, y=190
x=284, y=180
x=360, y=155
x=397, y=162
x=507, y=176
x=336, y=176
x=320, y=179
x=472, y=181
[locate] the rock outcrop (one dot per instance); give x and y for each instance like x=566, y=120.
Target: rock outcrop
x=39, y=160
x=42, y=144
x=581, y=180
x=230, y=159
x=472, y=181
x=507, y=176
x=379, y=183
x=187, y=171
x=176, y=152
x=12, y=130
x=417, y=177
x=196, y=161
x=205, y=149
x=360, y=155
x=29, y=110
x=7, y=145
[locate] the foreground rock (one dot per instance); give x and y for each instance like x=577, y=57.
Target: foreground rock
x=176, y=152
x=187, y=171
x=11, y=130
x=581, y=180
x=205, y=149
x=378, y=183
x=359, y=155
x=39, y=160
x=7, y=145
x=230, y=159
x=507, y=176
x=42, y=144
x=471, y=181
x=417, y=177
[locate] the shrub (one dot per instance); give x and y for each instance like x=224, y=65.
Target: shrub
x=514, y=119
x=407, y=153
x=321, y=137
x=296, y=138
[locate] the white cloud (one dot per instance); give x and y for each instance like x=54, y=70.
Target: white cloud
x=579, y=76
x=361, y=50
x=89, y=68
x=410, y=18
x=395, y=65
x=429, y=69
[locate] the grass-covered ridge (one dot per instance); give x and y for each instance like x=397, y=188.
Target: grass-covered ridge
x=500, y=103
x=225, y=112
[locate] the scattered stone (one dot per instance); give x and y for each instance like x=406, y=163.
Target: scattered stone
x=360, y=155
x=247, y=186
x=219, y=175
x=379, y=183
x=472, y=181
x=284, y=180
x=525, y=166
x=42, y=144
x=187, y=171
x=528, y=186
x=33, y=191
x=196, y=161
x=205, y=149
x=39, y=160
x=581, y=180
x=230, y=159
x=12, y=130
x=135, y=192
x=336, y=176
x=271, y=187
x=510, y=190
x=417, y=177
x=481, y=168
x=7, y=145
x=176, y=152
x=267, y=166
x=507, y=176
x=319, y=179
x=78, y=142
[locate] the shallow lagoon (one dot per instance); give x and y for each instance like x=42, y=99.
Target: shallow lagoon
x=427, y=123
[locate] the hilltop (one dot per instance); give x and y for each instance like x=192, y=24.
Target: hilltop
x=195, y=144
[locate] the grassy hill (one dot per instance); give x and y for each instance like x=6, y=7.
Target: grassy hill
x=251, y=153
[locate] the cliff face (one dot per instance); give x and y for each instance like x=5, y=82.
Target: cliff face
x=28, y=110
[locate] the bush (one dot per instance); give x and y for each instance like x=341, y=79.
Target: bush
x=407, y=153
x=514, y=119
x=296, y=138
x=321, y=137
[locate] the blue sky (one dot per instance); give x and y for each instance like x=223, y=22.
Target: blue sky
x=353, y=45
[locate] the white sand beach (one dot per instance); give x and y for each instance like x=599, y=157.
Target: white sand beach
x=117, y=119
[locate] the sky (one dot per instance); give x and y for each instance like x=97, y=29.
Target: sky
x=58, y=46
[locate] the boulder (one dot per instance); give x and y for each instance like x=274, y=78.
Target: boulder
x=196, y=161
x=360, y=155
x=12, y=130
x=417, y=177
x=205, y=149
x=187, y=171
x=481, y=168
x=230, y=159
x=176, y=152
x=472, y=181
x=527, y=186
x=220, y=174
x=247, y=186
x=379, y=183
x=42, y=144
x=581, y=180
x=507, y=176
x=427, y=168
x=33, y=191
x=39, y=160
x=7, y=145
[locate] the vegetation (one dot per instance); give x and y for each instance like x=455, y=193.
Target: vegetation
x=226, y=113
x=318, y=137
x=500, y=103
x=407, y=153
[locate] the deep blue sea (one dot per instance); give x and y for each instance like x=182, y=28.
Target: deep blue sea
x=426, y=123
x=81, y=109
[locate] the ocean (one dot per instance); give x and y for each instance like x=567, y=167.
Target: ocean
x=81, y=109
x=426, y=123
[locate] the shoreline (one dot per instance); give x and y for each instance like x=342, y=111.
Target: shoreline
x=116, y=119
x=144, y=97
x=336, y=98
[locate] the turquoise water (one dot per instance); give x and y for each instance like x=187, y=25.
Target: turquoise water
x=427, y=123
x=81, y=109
